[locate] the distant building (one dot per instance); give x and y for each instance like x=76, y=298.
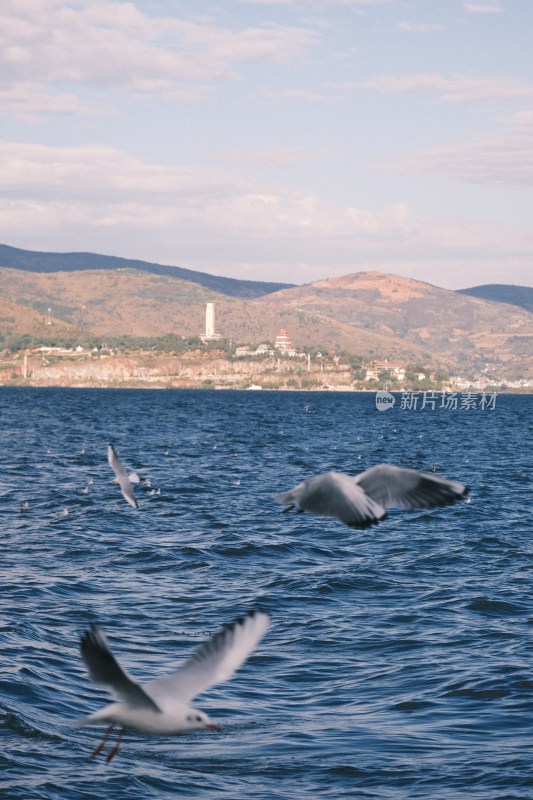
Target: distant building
x=210, y=334
x=283, y=344
x=396, y=368
x=262, y=350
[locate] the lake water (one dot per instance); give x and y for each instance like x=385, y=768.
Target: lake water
x=399, y=659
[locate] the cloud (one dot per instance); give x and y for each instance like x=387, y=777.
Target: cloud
x=29, y=101
x=278, y=156
x=503, y=159
x=104, y=175
x=100, y=198
x=459, y=89
x=306, y=95
x=318, y=3
x=88, y=43
x=482, y=8
x=419, y=27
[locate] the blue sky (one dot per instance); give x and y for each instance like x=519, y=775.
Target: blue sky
x=284, y=140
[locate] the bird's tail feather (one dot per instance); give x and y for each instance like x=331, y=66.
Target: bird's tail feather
x=80, y=722
x=97, y=718
x=284, y=497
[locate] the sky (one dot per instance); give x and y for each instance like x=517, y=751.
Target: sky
x=278, y=140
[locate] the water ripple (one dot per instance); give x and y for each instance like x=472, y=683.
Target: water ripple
x=398, y=664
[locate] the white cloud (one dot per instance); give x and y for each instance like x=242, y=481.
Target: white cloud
x=503, y=159
x=306, y=95
x=482, y=8
x=104, y=175
x=114, y=45
x=419, y=27
x=99, y=199
x=279, y=156
x=318, y=3
x=29, y=101
x=458, y=89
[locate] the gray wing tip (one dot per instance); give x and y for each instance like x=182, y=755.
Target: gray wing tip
x=455, y=491
x=93, y=639
x=253, y=613
x=230, y=627
x=367, y=522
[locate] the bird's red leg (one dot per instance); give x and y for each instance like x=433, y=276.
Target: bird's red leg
x=115, y=750
x=103, y=742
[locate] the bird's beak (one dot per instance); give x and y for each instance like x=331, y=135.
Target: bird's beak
x=213, y=726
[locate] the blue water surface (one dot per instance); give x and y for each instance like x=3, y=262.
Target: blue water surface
x=399, y=660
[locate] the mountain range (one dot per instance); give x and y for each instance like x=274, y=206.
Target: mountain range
x=372, y=314
x=503, y=293
x=34, y=261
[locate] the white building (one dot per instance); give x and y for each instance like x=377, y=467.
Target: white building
x=284, y=345
x=210, y=334
x=396, y=368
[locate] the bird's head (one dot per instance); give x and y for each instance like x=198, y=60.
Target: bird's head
x=197, y=720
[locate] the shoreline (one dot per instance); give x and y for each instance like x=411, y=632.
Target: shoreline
x=204, y=371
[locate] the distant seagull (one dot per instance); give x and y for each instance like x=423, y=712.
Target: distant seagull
x=24, y=506
x=161, y=706
x=361, y=501
x=121, y=476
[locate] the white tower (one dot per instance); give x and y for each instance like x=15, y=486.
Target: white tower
x=210, y=324
x=209, y=320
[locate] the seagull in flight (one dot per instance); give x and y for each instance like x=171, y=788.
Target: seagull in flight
x=121, y=476
x=361, y=501
x=161, y=707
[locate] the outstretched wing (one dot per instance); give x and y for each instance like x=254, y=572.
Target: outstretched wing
x=407, y=488
x=121, y=476
x=115, y=463
x=106, y=671
x=213, y=662
x=333, y=494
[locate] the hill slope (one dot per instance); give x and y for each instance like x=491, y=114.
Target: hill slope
x=368, y=313
x=503, y=293
x=441, y=326
x=32, y=261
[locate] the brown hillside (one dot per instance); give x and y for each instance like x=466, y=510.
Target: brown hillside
x=368, y=313
x=21, y=319
x=419, y=316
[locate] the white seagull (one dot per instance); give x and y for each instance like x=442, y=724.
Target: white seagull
x=161, y=707
x=121, y=476
x=361, y=501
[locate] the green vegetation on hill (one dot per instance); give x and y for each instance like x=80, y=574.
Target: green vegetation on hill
x=170, y=343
